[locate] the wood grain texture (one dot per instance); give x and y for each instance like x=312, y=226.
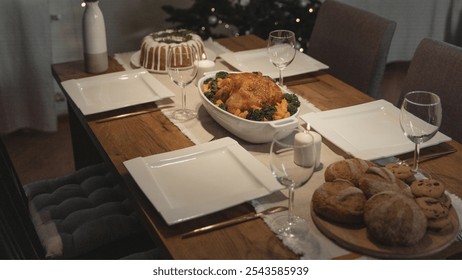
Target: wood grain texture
x=153, y=133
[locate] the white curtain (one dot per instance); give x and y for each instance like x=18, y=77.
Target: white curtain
x=26, y=82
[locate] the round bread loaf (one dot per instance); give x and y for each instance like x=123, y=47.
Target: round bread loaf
x=379, y=179
x=392, y=219
x=347, y=169
x=339, y=201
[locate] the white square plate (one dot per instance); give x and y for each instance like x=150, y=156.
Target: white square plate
x=369, y=131
x=258, y=60
x=115, y=90
x=201, y=179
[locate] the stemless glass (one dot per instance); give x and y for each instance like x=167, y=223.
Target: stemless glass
x=182, y=68
x=281, y=49
x=420, y=119
x=292, y=161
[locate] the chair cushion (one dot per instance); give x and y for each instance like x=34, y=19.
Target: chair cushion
x=76, y=214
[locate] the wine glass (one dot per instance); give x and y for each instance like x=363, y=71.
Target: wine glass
x=420, y=119
x=292, y=161
x=281, y=49
x=182, y=64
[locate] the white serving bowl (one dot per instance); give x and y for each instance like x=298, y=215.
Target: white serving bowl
x=251, y=131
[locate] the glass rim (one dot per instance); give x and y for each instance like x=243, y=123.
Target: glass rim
x=429, y=93
x=274, y=32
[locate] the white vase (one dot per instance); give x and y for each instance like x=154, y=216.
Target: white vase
x=94, y=38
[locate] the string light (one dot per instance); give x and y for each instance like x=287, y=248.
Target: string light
x=216, y=20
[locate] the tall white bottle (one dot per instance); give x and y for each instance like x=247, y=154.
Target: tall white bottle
x=94, y=38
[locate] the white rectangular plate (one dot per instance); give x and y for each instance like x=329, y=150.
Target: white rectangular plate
x=258, y=60
x=201, y=179
x=115, y=90
x=368, y=131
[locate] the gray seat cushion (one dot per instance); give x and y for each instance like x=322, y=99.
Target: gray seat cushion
x=76, y=214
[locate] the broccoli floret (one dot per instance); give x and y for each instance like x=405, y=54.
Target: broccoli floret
x=223, y=106
x=292, y=109
x=293, y=103
x=209, y=95
x=214, y=86
x=221, y=75
x=266, y=113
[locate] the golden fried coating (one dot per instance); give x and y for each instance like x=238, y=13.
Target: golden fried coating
x=248, y=90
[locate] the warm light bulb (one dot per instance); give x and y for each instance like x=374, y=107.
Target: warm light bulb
x=83, y=4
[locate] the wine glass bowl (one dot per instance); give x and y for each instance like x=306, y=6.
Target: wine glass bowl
x=182, y=64
x=292, y=161
x=281, y=49
x=420, y=119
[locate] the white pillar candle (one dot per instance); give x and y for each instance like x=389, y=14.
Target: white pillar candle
x=304, y=149
x=203, y=67
x=317, y=139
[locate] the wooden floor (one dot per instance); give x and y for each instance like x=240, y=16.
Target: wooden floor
x=39, y=155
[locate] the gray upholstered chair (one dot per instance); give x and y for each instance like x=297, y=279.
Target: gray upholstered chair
x=84, y=215
x=437, y=67
x=354, y=44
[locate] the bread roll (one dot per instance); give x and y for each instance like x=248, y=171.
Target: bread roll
x=379, y=179
x=347, y=169
x=392, y=219
x=339, y=201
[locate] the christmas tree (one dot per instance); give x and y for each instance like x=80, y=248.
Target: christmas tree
x=221, y=18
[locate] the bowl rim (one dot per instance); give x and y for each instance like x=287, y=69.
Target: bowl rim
x=211, y=74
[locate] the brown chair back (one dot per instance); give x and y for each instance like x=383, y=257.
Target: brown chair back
x=437, y=67
x=354, y=44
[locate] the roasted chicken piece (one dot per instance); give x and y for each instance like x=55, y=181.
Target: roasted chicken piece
x=248, y=90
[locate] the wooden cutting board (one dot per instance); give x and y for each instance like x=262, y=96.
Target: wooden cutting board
x=356, y=239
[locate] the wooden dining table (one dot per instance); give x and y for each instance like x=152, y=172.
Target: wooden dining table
x=147, y=134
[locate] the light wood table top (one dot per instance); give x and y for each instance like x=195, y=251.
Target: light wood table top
x=147, y=134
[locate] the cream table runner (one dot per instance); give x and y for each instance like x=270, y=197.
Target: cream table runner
x=203, y=129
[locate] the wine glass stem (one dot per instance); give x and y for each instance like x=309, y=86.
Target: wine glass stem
x=280, y=78
x=183, y=98
x=416, y=157
x=290, y=212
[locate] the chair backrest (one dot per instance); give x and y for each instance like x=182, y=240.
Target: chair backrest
x=437, y=67
x=354, y=44
x=18, y=238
